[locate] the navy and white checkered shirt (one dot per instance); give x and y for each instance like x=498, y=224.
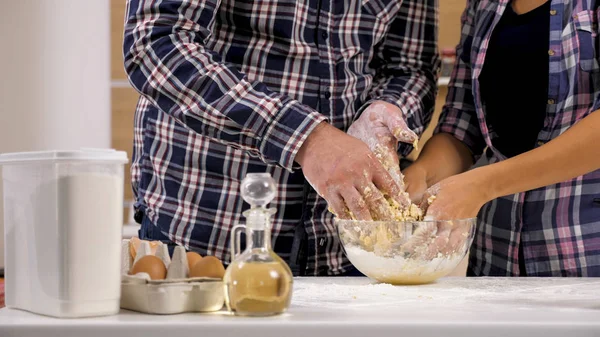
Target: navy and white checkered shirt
x=235, y=86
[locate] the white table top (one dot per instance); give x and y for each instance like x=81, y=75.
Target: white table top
x=350, y=307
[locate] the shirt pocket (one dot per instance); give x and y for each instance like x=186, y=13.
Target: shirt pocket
x=585, y=24
x=378, y=15
x=382, y=10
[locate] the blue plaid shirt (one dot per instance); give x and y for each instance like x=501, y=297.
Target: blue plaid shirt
x=557, y=226
x=235, y=86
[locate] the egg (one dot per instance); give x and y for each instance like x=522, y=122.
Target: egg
x=152, y=266
x=208, y=266
x=192, y=259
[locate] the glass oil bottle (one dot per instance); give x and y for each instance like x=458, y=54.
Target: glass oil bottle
x=257, y=282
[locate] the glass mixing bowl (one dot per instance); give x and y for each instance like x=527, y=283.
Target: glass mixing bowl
x=400, y=252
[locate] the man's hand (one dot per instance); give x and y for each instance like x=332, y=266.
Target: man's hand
x=381, y=127
x=346, y=173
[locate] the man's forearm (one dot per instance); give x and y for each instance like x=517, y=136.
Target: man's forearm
x=574, y=153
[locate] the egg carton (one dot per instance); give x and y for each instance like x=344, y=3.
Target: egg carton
x=176, y=294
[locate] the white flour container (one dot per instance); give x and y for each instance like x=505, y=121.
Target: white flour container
x=63, y=216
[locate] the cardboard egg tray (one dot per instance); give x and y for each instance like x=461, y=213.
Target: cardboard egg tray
x=176, y=294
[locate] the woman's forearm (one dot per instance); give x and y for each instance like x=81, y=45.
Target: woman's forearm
x=574, y=153
x=443, y=156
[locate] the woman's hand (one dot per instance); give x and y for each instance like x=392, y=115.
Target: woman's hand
x=457, y=197
x=454, y=198
x=415, y=182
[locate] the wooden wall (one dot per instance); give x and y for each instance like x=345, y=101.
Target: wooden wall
x=450, y=12
x=124, y=98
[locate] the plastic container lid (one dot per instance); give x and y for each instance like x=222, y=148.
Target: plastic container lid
x=84, y=154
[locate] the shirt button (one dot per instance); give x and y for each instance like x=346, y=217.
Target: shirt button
x=553, y=12
x=551, y=52
x=540, y=143
x=327, y=95
x=551, y=101
x=324, y=35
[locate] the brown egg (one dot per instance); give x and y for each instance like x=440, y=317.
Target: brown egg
x=208, y=266
x=192, y=258
x=152, y=266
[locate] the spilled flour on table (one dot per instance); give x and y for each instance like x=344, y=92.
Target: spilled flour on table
x=347, y=294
